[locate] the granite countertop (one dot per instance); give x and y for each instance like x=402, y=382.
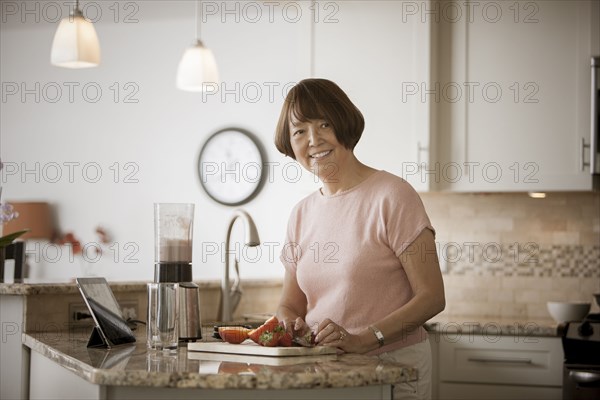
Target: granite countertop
x=32, y=288
x=133, y=365
x=493, y=326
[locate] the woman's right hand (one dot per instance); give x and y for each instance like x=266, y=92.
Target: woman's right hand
x=297, y=327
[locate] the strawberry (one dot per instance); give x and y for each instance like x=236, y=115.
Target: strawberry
x=306, y=340
x=271, y=338
x=269, y=325
x=268, y=339
x=285, y=340
x=233, y=334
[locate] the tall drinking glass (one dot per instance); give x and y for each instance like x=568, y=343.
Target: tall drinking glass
x=162, y=325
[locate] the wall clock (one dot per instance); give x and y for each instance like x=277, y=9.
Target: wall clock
x=230, y=166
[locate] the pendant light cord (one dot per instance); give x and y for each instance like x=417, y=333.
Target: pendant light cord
x=197, y=22
x=312, y=41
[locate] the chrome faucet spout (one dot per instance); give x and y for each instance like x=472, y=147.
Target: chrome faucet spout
x=251, y=239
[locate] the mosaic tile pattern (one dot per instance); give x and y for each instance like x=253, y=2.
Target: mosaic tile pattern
x=522, y=259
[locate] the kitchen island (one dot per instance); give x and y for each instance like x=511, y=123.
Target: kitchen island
x=61, y=366
x=44, y=355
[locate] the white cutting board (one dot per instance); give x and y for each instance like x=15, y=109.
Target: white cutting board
x=262, y=360
x=248, y=347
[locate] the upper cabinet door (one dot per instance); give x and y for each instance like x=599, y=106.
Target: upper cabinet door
x=514, y=87
x=376, y=51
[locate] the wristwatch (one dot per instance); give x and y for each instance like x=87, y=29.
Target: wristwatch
x=378, y=335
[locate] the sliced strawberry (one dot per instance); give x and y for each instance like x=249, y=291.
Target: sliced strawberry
x=268, y=339
x=233, y=334
x=286, y=340
x=272, y=338
x=269, y=325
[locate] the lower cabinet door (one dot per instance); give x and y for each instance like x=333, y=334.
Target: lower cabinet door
x=508, y=360
x=504, y=367
x=468, y=391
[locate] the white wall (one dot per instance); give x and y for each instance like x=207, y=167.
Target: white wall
x=160, y=135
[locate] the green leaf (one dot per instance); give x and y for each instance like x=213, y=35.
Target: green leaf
x=8, y=239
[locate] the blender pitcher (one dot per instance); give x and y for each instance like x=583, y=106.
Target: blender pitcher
x=173, y=230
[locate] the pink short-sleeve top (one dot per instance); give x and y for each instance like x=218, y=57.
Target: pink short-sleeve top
x=345, y=252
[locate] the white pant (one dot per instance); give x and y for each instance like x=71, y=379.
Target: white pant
x=418, y=356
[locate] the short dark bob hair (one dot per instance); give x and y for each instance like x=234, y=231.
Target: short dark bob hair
x=319, y=99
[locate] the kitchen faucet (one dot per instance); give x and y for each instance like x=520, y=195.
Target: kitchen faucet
x=251, y=239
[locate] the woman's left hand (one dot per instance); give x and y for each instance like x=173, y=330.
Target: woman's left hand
x=332, y=334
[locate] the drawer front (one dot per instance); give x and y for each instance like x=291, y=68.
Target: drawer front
x=478, y=391
x=509, y=360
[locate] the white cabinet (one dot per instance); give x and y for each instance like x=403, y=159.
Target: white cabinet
x=499, y=367
x=466, y=96
x=514, y=94
x=14, y=357
x=48, y=380
x=375, y=54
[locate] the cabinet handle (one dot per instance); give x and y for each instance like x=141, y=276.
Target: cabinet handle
x=501, y=360
x=419, y=150
x=582, y=156
x=584, y=376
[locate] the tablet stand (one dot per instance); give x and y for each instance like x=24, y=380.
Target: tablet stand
x=96, y=339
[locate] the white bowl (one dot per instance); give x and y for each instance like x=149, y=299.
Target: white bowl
x=568, y=311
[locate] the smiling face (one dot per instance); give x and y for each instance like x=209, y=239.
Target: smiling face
x=316, y=147
x=313, y=102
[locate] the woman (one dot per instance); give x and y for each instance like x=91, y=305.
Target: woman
x=360, y=258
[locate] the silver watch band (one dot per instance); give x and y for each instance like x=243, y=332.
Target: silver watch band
x=378, y=335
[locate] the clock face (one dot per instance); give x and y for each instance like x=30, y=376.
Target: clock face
x=231, y=166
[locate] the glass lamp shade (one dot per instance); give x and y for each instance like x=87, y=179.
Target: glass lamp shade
x=196, y=69
x=75, y=44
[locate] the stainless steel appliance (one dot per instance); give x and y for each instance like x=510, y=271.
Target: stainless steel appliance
x=173, y=230
x=581, y=369
x=190, y=326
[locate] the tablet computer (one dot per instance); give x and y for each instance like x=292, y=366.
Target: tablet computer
x=110, y=327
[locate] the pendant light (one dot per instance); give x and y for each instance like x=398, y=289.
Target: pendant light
x=75, y=42
x=197, y=66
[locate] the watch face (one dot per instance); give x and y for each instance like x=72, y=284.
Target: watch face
x=231, y=166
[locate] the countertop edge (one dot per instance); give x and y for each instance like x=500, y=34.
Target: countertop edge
x=80, y=369
x=265, y=378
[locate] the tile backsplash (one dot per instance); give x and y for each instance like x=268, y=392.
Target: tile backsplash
x=506, y=254
x=530, y=259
